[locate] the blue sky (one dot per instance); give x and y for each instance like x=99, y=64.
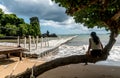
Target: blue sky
x=51, y=16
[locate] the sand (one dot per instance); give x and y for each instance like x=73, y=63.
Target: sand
x=82, y=71
x=7, y=67
x=14, y=66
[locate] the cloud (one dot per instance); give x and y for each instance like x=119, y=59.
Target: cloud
x=44, y=9
x=68, y=24
x=50, y=23
x=5, y=10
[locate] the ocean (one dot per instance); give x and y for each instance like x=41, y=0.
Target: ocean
x=78, y=46
x=83, y=39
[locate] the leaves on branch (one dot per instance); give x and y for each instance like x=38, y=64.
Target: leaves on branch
x=94, y=12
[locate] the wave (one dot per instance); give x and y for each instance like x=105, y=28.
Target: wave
x=66, y=50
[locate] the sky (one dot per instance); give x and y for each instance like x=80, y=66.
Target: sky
x=51, y=16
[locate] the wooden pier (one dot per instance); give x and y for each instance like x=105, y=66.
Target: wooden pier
x=9, y=49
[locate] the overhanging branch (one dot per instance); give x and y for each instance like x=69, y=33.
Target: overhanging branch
x=116, y=16
x=73, y=9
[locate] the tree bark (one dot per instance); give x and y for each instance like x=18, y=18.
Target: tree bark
x=69, y=60
x=56, y=63
x=110, y=44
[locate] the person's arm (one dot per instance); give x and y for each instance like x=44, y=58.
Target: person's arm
x=89, y=47
x=101, y=45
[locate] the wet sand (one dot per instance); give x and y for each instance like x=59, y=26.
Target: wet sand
x=82, y=71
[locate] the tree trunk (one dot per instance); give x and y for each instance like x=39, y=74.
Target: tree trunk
x=56, y=63
x=69, y=60
x=110, y=44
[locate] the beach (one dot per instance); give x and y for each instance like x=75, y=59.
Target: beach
x=68, y=71
x=78, y=46
x=83, y=71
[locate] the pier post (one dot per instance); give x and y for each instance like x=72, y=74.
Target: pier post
x=25, y=42
x=29, y=43
x=45, y=41
x=41, y=42
x=20, y=56
x=48, y=42
x=36, y=42
x=8, y=55
x=18, y=41
x=33, y=40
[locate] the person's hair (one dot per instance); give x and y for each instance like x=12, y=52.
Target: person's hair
x=95, y=37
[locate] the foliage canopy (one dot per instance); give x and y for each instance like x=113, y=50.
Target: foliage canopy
x=11, y=25
x=100, y=13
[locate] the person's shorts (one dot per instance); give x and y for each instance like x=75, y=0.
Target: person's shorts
x=96, y=52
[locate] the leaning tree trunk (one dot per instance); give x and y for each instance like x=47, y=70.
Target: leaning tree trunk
x=69, y=60
x=110, y=44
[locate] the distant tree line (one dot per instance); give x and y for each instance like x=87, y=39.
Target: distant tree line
x=11, y=25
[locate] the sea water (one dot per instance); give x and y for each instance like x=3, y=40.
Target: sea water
x=79, y=45
x=83, y=41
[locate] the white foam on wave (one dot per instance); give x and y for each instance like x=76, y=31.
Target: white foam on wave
x=115, y=54
x=65, y=50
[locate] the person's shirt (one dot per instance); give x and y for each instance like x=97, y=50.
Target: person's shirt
x=94, y=45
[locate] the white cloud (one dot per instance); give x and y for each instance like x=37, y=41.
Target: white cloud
x=69, y=21
x=32, y=2
x=5, y=9
x=70, y=24
x=67, y=24
x=51, y=3
x=50, y=23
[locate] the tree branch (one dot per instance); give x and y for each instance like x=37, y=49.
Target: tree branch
x=116, y=16
x=59, y=62
x=72, y=10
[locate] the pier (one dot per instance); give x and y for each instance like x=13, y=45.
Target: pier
x=9, y=49
x=13, y=65
x=51, y=47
